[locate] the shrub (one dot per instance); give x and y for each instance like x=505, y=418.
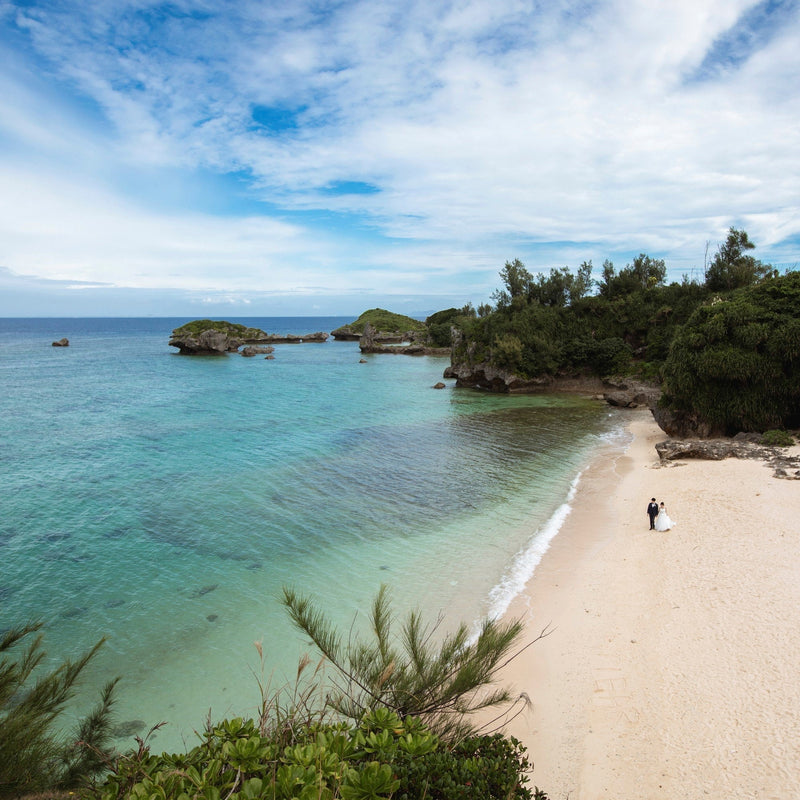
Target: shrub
x=776, y=438
x=380, y=757
x=34, y=756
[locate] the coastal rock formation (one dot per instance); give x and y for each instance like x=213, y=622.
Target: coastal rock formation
x=204, y=343
x=439, y=385
x=291, y=338
x=631, y=394
x=684, y=425
x=254, y=350
x=784, y=464
x=368, y=343
x=203, y=337
x=487, y=376
x=61, y=342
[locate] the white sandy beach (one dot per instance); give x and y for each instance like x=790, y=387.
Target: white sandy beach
x=673, y=666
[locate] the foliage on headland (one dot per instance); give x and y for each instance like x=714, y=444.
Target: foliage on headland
x=392, y=724
x=735, y=364
x=384, y=321
x=726, y=348
x=233, y=329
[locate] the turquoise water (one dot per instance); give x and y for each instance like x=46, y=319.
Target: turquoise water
x=162, y=501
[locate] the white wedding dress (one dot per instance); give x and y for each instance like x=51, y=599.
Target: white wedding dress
x=663, y=522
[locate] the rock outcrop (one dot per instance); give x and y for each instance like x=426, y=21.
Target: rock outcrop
x=684, y=425
x=487, y=376
x=290, y=338
x=368, y=343
x=254, y=350
x=226, y=337
x=61, y=342
x=784, y=464
x=208, y=342
x=626, y=393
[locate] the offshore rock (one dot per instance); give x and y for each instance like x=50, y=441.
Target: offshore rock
x=369, y=343
x=253, y=350
x=347, y=334
x=61, y=342
x=439, y=385
x=208, y=342
x=291, y=338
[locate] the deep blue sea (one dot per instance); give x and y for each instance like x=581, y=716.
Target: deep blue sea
x=162, y=501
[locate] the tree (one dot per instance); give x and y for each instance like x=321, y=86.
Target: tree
x=732, y=267
x=517, y=281
x=406, y=672
x=735, y=365
x=33, y=755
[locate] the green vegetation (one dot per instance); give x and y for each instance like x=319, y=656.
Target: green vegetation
x=32, y=756
x=441, y=324
x=383, y=756
x=736, y=362
x=405, y=672
x=726, y=348
x=385, y=322
x=777, y=438
x=393, y=724
x=233, y=329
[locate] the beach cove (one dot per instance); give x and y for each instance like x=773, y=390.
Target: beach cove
x=671, y=666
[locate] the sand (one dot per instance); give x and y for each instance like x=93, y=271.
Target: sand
x=673, y=665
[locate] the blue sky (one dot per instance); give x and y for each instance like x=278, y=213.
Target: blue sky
x=209, y=158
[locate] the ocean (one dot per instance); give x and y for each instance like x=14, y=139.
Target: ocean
x=163, y=501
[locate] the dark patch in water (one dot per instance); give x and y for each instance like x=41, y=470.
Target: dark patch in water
x=78, y=611
x=255, y=565
x=384, y=566
x=56, y=536
x=204, y=590
x=212, y=617
x=116, y=533
x=128, y=728
x=115, y=603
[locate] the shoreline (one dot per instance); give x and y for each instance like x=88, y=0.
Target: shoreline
x=670, y=666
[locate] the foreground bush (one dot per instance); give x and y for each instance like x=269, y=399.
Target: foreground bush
x=33, y=755
x=382, y=757
x=409, y=671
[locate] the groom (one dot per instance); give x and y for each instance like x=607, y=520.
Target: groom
x=652, y=512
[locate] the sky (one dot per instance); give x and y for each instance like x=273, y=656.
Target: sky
x=316, y=157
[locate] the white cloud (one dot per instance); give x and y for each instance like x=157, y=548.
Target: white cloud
x=491, y=128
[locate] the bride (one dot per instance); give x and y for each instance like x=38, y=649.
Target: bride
x=663, y=522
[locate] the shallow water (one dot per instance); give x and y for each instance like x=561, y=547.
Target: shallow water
x=163, y=501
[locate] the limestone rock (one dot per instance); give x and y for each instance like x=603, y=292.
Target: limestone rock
x=64, y=342
x=253, y=350
x=439, y=385
x=784, y=465
x=370, y=343
x=684, y=425
x=206, y=342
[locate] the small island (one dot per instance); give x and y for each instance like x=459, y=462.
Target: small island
x=217, y=337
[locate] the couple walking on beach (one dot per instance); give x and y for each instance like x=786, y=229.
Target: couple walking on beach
x=659, y=519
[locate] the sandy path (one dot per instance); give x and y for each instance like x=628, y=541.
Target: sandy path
x=673, y=669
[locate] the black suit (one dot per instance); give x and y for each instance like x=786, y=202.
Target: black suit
x=652, y=512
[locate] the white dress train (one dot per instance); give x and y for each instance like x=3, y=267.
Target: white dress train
x=663, y=522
